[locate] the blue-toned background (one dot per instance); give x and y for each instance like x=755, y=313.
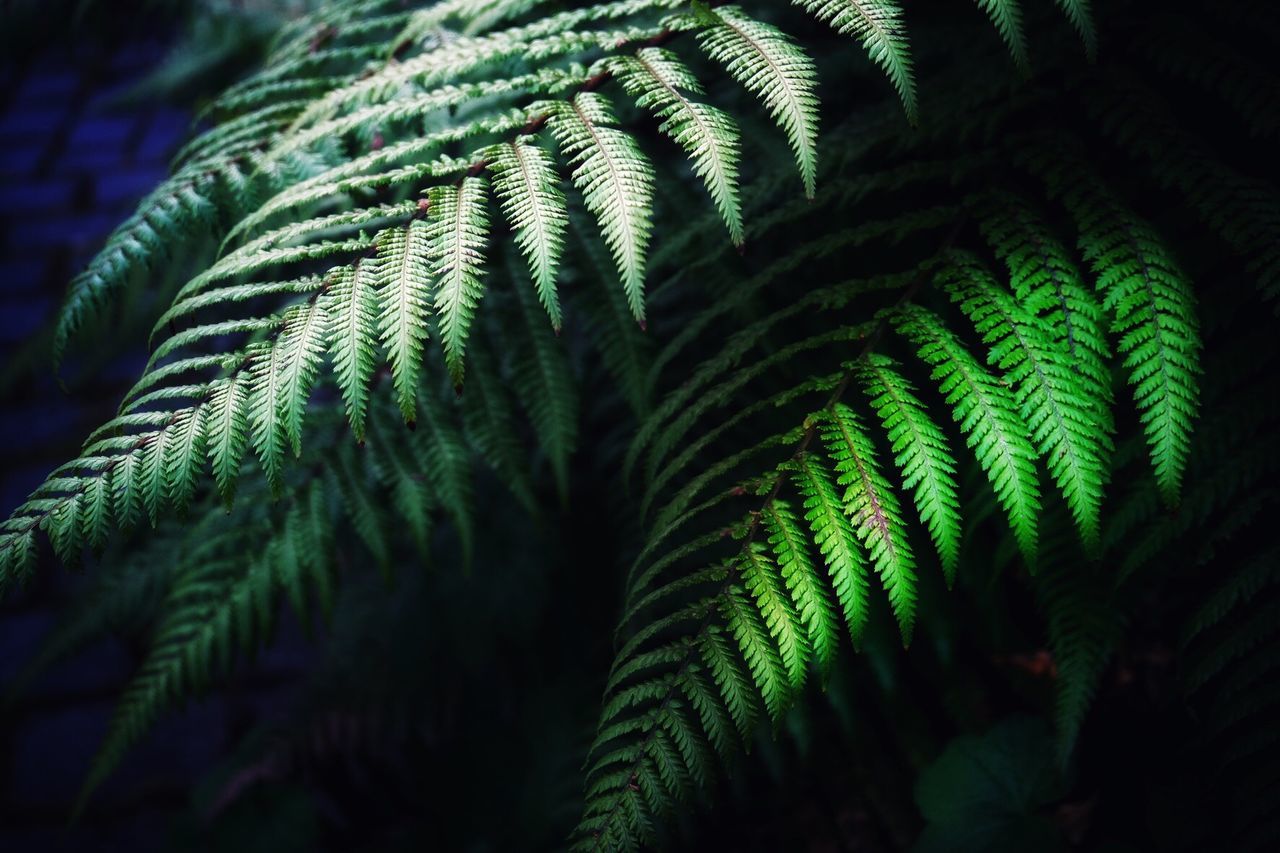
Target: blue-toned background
x=75, y=157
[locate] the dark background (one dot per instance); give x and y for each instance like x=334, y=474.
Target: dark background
x=77, y=152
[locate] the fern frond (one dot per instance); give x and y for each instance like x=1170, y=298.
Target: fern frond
x=456, y=236
x=526, y=183
x=1154, y=317
x=878, y=25
x=1062, y=417
x=834, y=537
x=405, y=293
x=1080, y=13
x=658, y=80
x=1007, y=17
x=987, y=415
x=775, y=69
x=616, y=181
x=873, y=509
x=921, y=453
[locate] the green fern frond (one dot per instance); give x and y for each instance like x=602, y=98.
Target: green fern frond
x=525, y=182
x=878, y=25
x=405, y=289
x=457, y=235
x=616, y=181
x=873, y=510
x=658, y=81
x=987, y=415
x=1080, y=13
x=921, y=453
x=776, y=70
x=1062, y=417
x=1006, y=15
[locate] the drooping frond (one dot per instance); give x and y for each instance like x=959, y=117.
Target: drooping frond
x=405, y=289
x=660, y=82
x=775, y=69
x=456, y=236
x=921, y=453
x=878, y=25
x=525, y=182
x=1006, y=15
x=616, y=182
x=1154, y=318
x=1062, y=417
x=1080, y=13
x=987, y=415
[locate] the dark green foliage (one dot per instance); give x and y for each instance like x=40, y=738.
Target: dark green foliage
x=974, y=351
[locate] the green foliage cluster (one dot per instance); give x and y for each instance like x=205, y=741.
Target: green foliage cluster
x=969, y=321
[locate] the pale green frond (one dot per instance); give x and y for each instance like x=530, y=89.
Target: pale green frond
x=778, y=71
x=878, y=25
x=402, y=272
x=616, y=182
x=659, y=81
x=457, y=234
x=526, y=184
x=351, y=303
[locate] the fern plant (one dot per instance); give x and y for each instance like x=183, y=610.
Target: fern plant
x=964, y=323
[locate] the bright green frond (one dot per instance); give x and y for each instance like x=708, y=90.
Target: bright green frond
x=987, y=415
x=921, y=453
x=872, y=507
x=1055, y=404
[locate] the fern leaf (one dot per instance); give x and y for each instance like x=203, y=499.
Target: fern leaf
x=989, y=418
x=772, y=67
x=1060, y=413
x=457, y=234
x=616, y=181
x=404, y=294
x=183, y=457
x=758, y=648
x=1153, y=311
x=658, y=80
x=873, y=509
x=226, y=430
x=301, y=346
x=1049, y=285
x=834, y=536
x=1080, y=13
x=527, y=185
x=808, y=594
x=878, y=25
x=921, y=453
x=1007, y=17
x=267, y=431
x=351, y=304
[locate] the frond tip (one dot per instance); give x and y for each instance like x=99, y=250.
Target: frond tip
x=777, y=71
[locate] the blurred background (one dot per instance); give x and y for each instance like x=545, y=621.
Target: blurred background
x=95, y=98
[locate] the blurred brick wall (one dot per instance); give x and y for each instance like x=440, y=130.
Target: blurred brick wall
x=72, y=167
